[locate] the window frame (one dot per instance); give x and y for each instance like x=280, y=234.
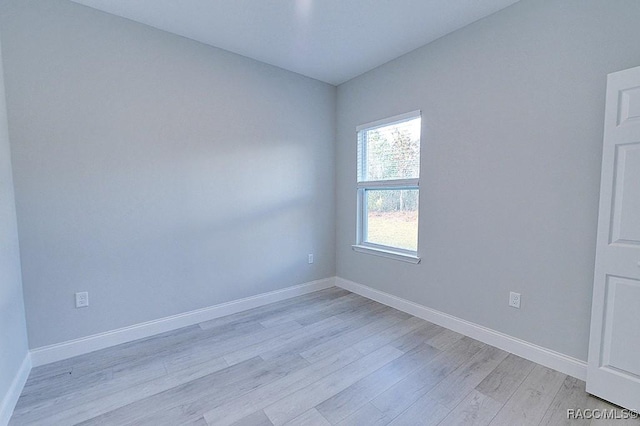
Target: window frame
x=362, y=186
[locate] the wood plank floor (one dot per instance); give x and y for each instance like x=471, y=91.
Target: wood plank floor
x=325, y=358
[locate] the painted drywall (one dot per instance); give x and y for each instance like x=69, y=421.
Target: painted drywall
x=159, y=174
x=13, y=329
x=512, y=109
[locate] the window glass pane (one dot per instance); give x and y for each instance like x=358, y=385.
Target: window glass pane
x=392, y=217
x=391, y=152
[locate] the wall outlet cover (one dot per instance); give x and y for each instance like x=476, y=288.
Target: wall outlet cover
x=82, y=299
x=514, y=300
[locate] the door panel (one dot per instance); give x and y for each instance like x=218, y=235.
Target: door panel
x=620, y=351
x=626, y=211
x=613, y=372
x=629, y=106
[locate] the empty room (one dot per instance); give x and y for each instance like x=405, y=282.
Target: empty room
x=319, y=212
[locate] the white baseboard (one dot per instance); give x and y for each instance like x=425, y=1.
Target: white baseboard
x=547, y=357
x=9, y=401
x=71, y=348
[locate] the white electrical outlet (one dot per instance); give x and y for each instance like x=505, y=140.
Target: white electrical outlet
x=514, y=300
x=82, y=299
x=310, y=258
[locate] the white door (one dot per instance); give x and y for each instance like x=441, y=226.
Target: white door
x=614, y=347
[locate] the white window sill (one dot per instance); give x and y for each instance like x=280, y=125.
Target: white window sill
x=389, y=254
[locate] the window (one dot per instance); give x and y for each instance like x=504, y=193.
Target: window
x=388, y=187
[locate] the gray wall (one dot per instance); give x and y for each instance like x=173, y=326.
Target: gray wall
x=158, y=174
x=13, y=330
x=512, y=111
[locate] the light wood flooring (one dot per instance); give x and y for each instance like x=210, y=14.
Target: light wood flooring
x=326, y=358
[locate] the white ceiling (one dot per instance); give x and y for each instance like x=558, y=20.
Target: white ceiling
x=329, y=40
